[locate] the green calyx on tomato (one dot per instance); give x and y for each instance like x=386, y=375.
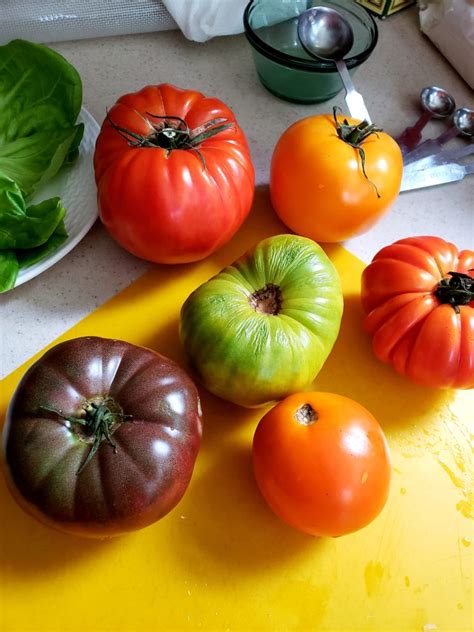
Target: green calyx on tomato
x=354, y=135
x=419, y=300
x=166, y=158
x=99, y=421
x=263, y=327
x=317, y=185
x=456, y=289
x=172, y=133
x=75, y=402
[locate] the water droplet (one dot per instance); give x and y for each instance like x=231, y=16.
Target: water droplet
x=466, y=541
x=403, y=490
x=407, y=581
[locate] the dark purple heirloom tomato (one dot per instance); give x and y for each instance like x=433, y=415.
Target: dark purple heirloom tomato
x=101, y=437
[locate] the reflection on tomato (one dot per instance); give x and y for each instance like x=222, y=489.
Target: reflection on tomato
x=101, y=437
x=322, y=463
x=174, y=175
x=317, y=182
x=263, y=327
x=418, y=294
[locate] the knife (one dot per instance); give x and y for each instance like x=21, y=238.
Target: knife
x=432, y=176
x=440, y=158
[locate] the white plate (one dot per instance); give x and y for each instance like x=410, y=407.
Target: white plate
x=75, y=185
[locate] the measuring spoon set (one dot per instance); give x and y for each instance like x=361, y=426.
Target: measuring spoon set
x=427, y=163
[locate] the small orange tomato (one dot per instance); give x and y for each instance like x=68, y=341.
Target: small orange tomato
x=317, y=183
x=322, y=463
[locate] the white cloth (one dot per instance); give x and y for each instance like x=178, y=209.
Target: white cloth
x=200, y=20
x=450, y=26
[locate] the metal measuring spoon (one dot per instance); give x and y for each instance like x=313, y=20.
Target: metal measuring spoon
x=436, y=103
x=463, y=124
x=324, y=33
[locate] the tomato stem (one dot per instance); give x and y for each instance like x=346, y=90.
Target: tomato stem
x=456, y=289
x=306, y=415
x=354, y=135
x=267, y=300
x=171, y=132
x=99, y=421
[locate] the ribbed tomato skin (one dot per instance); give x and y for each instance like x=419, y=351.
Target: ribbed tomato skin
x=120, y=489
x=172, y=206
x=428, y=341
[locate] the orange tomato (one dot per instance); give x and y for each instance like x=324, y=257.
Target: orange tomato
x=317, y=182
x=322, y=463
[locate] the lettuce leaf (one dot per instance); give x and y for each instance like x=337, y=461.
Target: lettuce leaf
x=39, y=90
x=35, y=159
x=11, y=261
x=40, y=100
x=22, y=226
x=9, y=268
x=27, y=258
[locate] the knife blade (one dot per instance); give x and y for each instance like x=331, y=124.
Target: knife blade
x=440, y=158
x=433, y=176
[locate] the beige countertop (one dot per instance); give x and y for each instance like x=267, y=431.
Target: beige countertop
x=404, y=61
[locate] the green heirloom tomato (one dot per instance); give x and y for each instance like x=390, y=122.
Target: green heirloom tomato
x=263, y=327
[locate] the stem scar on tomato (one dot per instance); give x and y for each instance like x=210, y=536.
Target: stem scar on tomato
x=456, y=289
x=267, y=300
x=354, y=135
x=306, y=415
x=100, y=419
x=172, y=132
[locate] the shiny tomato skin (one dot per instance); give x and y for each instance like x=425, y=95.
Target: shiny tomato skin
x=317, y=185
x=117, y=491
x=328, y=478
x=172, y=206
x=428, y=341
x=251, y=357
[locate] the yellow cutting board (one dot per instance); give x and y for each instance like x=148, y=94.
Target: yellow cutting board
x=221, y=560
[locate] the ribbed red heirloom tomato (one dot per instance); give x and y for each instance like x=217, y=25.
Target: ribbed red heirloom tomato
x=322, y=463
x=101, y=437
x=418, y=294
x=174, y=175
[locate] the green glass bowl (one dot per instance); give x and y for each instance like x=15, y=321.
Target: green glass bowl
x=283, y=66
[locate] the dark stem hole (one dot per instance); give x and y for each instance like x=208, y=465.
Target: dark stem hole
x=306, y=415
x=267, y=300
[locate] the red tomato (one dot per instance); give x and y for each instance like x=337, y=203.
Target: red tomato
x=418, y=294
x=174, y=175
x=322, y=463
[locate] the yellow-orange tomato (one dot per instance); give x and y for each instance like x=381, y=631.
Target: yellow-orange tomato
x=322, y=463
x=317, y=183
